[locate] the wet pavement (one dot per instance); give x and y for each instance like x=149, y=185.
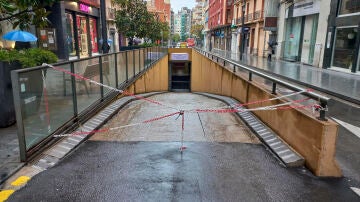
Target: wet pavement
x=213, y=127
x=156, y=171
x=336, y=83
x=139, y=164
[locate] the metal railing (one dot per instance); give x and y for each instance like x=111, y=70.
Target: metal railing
x=53, y=100
x=224, y=60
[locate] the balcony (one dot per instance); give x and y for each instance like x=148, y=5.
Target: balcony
x=252, y=17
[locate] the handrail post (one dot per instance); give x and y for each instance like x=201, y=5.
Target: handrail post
x=250, y=76
x=116, y=71
x=273, y=88
x=134, y=68
x=127, y=66
x=19, y=119
x=139, y=61
x=73, y=87
x=322, y=111
x=101, y=77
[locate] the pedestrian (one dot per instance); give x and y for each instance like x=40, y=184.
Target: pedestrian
x=271, y=50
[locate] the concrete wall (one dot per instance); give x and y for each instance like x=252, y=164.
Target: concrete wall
x=315, y=140
x=155, y=79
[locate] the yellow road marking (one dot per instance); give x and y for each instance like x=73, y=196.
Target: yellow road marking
x=20, y=181
x=5, y=194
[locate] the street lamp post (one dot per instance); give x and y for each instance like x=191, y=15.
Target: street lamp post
x=242, y=43
x=105, y=46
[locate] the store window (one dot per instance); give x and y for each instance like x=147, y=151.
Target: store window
x=292, y=38
x=345, y=48
x=349, y=7
x=93, y=36
x=83, y=37
x=70, y=40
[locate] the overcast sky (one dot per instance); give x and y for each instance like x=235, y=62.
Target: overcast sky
x=178, y=4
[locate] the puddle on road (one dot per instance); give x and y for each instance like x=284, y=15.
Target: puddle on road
x=206, y=127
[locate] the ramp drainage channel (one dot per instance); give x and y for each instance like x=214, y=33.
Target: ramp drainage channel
x=284, y=152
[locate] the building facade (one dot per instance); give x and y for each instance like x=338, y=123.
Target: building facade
x=77, y=29
x=343, y=36
x=220, y=18
x=256, y=38
x=182, y=23
x=197, y=13
x=207, y=33
x=172, y=23
x=302, y=29
x=161, y=9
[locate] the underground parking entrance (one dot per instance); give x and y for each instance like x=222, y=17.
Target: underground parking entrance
x=223, y=161
x=180, y=72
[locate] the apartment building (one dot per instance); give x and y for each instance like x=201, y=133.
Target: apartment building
x=161, y=8
x=197, y=13
x=255, y=37
x=220, y=18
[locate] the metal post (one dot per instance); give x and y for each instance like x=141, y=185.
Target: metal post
x=19, y=118
x=242, y=31
x=322, y=115
x=134, y=68
x=139, y=61
x=73, y=87
x=127, y=66
x=250, y=76
x=116, y=71
x=105, y=46
x=101, y=77
x=273, y=88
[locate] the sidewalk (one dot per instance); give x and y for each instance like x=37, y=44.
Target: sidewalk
x=9, y=152
x=339, y=84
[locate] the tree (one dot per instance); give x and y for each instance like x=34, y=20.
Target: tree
x=24, y=13
x=176, y=37
x=132, y=18
x=196, y=30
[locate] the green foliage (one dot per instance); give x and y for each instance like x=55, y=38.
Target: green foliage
x=31, y=57
x=133, y=20
x=24, y=13
x=176, y=37
x=8, y=55
x=196, y=30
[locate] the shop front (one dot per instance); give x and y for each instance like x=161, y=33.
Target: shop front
x=301, y=28
x=343, y=37
x=82, y=22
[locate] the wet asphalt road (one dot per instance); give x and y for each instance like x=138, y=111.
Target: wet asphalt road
x=156, y=171
x=127, y=168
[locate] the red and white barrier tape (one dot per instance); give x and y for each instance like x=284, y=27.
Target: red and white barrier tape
x=109, y=87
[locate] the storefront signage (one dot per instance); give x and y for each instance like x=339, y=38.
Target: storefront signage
x=84, y=8
x=306, y=7
x=270, y=24
x=179, y=56
x=246, y=30
x=47, y=38
x=95, y=3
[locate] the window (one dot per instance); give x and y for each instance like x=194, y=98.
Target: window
x=93, y=35
x=70, y=40
x=349, y=7
x=344, y=50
